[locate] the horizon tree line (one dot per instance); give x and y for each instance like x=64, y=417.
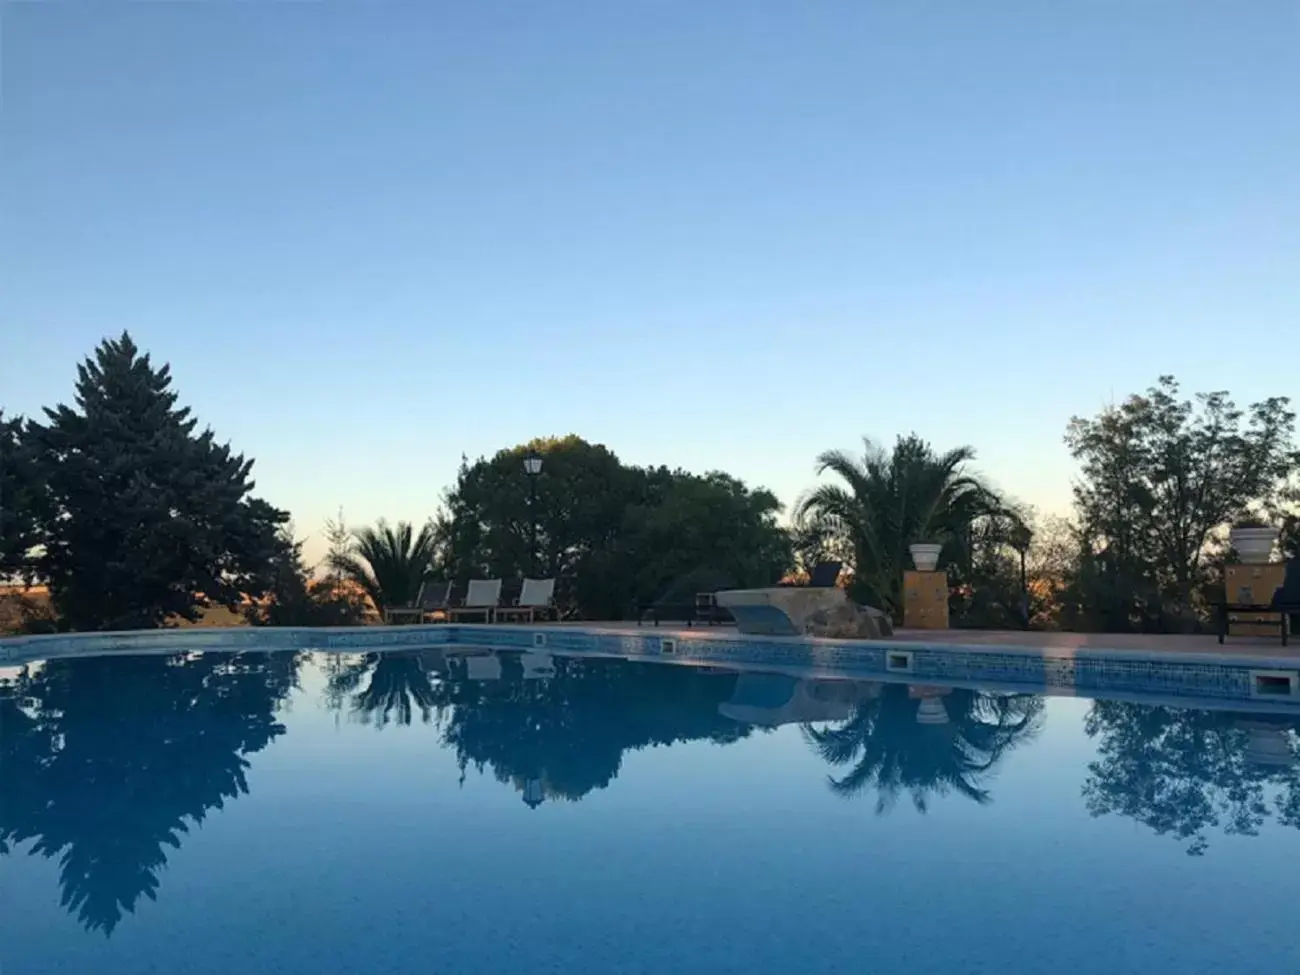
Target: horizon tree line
x=134, y=516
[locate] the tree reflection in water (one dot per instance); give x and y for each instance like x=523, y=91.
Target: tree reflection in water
x=105, y=762
x=1184, y=772
x=550, y=727
x=564, y=734
x=381, y=688
x=925, y=742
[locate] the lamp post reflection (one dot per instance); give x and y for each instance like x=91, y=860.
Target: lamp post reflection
x=533, y=794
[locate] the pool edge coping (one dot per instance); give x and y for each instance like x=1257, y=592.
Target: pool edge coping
x=210, y=638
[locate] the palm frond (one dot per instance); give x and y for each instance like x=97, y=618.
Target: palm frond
x=388, y=562
x=886, y=500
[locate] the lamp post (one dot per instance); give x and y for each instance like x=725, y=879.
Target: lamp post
x=532, y=468
x=1021, y=537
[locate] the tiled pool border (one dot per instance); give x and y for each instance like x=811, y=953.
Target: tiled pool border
x=1057, y=670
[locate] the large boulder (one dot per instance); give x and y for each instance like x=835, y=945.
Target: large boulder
x=845, y=621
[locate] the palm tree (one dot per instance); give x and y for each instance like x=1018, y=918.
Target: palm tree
x=890, y=499
x=388, y=563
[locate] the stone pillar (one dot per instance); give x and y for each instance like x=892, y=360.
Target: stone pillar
x=925, y=600
x=1252, y=584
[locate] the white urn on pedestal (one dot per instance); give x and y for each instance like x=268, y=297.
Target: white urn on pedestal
x=925, y=555
x=1254, y=543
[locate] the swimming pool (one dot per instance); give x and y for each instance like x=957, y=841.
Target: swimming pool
x=461, y=808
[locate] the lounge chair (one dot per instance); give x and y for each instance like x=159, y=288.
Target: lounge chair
x=668, y=612
x=481, y=599
x=689, y=599
x=433, y=597
x=825, y=574
x=1288, y=594
x=1286, y=597
x=708, y=612
x=536, y=597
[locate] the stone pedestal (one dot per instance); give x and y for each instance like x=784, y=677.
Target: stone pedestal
x=1252, y=584
x=925, y=600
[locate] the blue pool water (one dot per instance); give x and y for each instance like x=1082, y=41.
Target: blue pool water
x=430, y=811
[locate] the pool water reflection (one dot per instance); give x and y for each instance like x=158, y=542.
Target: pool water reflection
x=427, y=811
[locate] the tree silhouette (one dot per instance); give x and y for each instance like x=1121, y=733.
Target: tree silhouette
x=108, y=761
x=1159, y=475
x=1183, y=772
x=143, y=517
x=19, y=490
x=898, y=743
x=613, y=536
x=892, y=498
x=387, y=563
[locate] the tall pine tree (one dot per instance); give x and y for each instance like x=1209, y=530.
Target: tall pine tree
x=147, y=520
x=19, y=528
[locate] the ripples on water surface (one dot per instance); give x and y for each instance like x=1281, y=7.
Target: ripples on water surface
x=514, y=813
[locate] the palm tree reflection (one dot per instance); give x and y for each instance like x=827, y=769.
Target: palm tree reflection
x=388, y=687
x=925, y=742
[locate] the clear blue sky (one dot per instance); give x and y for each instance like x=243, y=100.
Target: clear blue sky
x=371, y=237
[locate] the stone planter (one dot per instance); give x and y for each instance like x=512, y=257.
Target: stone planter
x=1254, y=545
x=925, y=555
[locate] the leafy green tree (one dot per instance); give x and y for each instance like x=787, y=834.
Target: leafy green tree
x=339, y=538
x=686, y=534
x=1291, y=537
x=388, y=563
x=294, y=599
x=891, y=752
x=988, y=590
x=613, y=536
x=581, y=494
x=814, y=539
x=19, y=526
x=891, y=499
x=1109, y=591
x=144, y=520
x=1159, y=475
x=105, y=763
